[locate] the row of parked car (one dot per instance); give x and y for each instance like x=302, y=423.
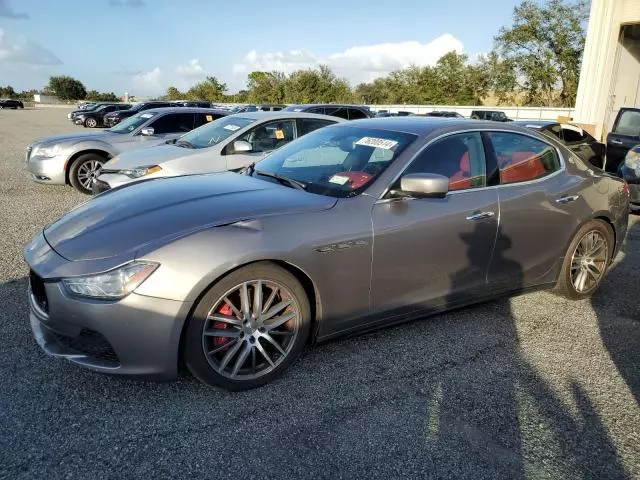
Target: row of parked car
x=312, y=226
x=94, y=163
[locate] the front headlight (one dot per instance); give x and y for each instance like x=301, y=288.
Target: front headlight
x=46, y=151
x=140, y=171
x=111, y=285
x=632, y=160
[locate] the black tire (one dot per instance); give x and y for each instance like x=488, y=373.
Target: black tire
x=90, y=122
x=475, y=117
x=565, y=286
x=79, y=167
x=194, y=341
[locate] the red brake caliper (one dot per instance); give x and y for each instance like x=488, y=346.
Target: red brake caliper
x=220, y=341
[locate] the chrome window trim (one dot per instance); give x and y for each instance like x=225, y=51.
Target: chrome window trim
x=561, y=159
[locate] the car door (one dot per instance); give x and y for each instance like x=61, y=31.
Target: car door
x=539, y=206
x=308, y=125
x=432, y=252
x=263, y=138
x=624, y=136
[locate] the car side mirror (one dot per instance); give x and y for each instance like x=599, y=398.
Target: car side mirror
x=241, y=146
x=147, y=131
x=423, y=185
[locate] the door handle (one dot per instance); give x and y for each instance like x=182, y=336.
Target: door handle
x=567, y=198
x=480, y=215
x=616, y=142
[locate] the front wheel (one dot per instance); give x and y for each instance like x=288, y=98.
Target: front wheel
x=90, y=123
x=84, y=170
x=586, y=261
x=248, y=328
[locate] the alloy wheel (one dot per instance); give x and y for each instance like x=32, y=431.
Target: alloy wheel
x=589, y=261
x=251, y=329
x=88, y=171
x=91, y=123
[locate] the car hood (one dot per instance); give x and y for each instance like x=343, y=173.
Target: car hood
x=76, y=137
x=148, y=156
x=123, y=220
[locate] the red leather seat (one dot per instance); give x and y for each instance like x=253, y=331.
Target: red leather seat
x=523, y=166
x=462, y=178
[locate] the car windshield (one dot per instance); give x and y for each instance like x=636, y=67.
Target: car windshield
x=214, y=132
x=128, y=125
x=340, y=161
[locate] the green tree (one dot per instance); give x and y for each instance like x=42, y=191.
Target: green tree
x=210, y=89
x=7, y=92
x=67, y=88
x=96, y=96
x=545, y=45
x=174, y=94
x=500, y=77
x=266, y=87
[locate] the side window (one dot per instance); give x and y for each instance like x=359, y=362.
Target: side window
x=204, y=118
x=308, y=125
x=522, y=158
x=356, y=114
x=319, y=110
x=173, y=123
x=340, y=112
x=269, y=136
x=460, y=158
x=628, y=123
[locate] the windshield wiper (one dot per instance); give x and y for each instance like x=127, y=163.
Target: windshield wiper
x=185, y=144
x=284, y=180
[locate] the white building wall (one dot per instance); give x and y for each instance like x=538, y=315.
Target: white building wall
x=595, y=103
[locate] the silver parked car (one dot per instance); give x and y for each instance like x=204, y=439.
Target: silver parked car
x=355, y=226
x=76, y=158
x=229, y=143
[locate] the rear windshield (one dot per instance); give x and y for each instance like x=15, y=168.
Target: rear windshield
x=628, y=123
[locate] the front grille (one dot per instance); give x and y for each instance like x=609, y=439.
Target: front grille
x=88, y=342
x=38, y=291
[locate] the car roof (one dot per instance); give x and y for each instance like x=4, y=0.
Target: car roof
x=312, y=105
x=423, y=126
x=186, y=110
x=284, y=114
x=534, y=123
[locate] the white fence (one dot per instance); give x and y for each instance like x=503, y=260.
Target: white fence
x=515, y=113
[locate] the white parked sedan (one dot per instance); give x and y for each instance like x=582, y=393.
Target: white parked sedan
x=229, y=143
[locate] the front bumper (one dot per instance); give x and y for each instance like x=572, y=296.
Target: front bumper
x=78, y=120
x=134, y=336
x=47, y=169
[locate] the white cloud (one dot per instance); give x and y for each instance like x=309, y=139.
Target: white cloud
x=356, y=64
x=191, y=70
x=23, y=50
x=149, y=83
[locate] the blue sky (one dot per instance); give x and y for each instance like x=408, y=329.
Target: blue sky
x=143, y=46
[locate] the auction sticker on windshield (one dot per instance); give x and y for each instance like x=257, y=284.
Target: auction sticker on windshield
x=146, y=115
x=209, y=118
x=339, y=179
x=233, y=128
x=377, y=142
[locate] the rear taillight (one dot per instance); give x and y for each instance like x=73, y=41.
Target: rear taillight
x=626, y=189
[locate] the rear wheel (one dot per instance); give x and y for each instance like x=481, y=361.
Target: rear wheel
x=85, y=168
x=248, y=328
x=586, y=261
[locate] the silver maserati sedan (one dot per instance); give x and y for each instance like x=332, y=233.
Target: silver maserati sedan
x=354, y=226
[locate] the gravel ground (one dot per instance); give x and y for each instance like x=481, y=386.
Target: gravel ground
x=531, y=387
